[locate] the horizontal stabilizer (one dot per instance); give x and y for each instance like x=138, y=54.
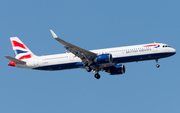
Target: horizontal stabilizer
x=15, y=60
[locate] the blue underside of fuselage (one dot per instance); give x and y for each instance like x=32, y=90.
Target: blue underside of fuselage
x=115, y=60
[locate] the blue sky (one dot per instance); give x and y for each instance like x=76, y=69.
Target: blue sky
x=90, y=24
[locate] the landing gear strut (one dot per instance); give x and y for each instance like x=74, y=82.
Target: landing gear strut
x=97, y=76
x=157, y=65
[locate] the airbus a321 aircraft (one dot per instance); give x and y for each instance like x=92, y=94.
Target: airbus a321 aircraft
x=109, y=60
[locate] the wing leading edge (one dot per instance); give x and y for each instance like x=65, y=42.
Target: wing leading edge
x=86, y=56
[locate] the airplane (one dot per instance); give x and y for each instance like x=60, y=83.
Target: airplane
x=109, y=60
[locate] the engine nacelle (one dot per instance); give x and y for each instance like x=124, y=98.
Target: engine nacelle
x=116, y=69
x=104, y=58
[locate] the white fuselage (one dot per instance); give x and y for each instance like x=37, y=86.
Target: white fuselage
x=119, y=54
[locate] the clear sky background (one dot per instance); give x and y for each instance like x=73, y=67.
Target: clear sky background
x=90, y=24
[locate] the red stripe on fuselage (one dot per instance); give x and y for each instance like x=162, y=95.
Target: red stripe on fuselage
x=25, y=57
x=151, y=45
x=17, y=44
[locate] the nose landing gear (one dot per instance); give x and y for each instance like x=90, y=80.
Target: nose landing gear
x=157, y=65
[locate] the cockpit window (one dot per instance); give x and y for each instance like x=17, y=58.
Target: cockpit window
x=166, y=46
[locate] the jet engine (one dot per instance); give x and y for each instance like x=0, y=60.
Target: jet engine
x=116, y=69
x=104, y=58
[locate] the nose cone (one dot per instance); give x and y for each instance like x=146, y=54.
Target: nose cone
x=173, y=51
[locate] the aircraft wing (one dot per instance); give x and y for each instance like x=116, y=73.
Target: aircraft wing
x=15, y=60
x=86, y=56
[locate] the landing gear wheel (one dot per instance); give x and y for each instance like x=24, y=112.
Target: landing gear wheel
x=97, y=76
x=157, y=65
x=88, y=69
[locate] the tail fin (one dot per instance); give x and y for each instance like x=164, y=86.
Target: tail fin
x=20, y=50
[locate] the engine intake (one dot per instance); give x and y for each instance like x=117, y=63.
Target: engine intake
x=104, y=58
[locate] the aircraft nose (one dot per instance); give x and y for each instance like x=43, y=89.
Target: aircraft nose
x=173, y=50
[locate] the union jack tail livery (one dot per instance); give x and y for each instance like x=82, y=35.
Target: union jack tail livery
x=20, y=49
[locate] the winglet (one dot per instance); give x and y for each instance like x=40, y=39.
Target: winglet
x=53, y=34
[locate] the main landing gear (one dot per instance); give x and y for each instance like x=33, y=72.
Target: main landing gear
x=157, y=65
x=97, y=76
x=88, y=69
